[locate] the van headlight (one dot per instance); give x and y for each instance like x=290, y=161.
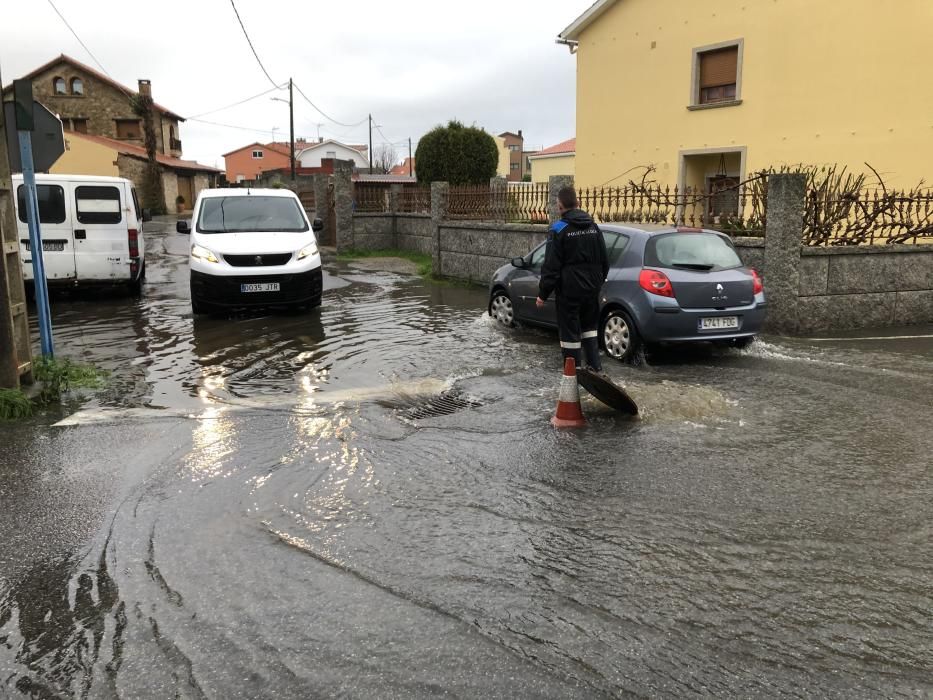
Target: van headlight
x=310, y=249
x=202, y=253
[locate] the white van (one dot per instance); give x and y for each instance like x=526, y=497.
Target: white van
x=92, y=230
x=252, y=247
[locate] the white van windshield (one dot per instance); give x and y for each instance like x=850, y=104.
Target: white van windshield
x=256, y=214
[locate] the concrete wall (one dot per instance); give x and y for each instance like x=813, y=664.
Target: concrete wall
x=84, y=157
x=373, y=231
x=543, y=167
x=413, y=232
x=472, y=251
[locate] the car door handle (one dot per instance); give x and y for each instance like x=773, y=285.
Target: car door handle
x=80, y=234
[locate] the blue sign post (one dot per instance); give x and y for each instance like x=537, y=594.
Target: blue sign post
x=35, y=243
x=25, y=119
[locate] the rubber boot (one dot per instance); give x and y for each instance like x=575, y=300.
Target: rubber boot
x=591, y=350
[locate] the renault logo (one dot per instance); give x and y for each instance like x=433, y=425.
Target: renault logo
x=719, y=288
x=258, y=261
x=719, y=296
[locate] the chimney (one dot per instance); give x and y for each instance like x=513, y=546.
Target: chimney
x=145, y=88
x=520, y=134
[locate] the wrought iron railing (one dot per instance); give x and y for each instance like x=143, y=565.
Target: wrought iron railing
x=414, y=200
x=833, y=217
x=476, y=203
x=369, y=198
x=527, y=203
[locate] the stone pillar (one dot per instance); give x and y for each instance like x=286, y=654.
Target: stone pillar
x=498, y=198
x=439, y=193
x=395, y=191
x=554, y=183
x=783, y=237
x=321, y=205
x=343, y=204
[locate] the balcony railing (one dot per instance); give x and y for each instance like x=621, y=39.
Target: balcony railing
x=175, y=144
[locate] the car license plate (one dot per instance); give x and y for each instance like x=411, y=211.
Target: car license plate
x=260, y=287
x=50, y=246
x=719, y=323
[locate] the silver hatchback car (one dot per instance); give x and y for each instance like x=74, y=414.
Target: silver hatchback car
x=664, y=285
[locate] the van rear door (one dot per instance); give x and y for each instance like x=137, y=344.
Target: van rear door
x=100, y=229
x=58, y=252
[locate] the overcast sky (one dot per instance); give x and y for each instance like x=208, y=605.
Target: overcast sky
x=413, y=64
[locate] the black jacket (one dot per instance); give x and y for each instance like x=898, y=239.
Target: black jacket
x=575, y=261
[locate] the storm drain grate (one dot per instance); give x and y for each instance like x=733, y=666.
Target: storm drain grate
x=442, y=405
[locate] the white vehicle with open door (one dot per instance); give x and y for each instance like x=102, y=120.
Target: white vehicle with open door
x=92, y=231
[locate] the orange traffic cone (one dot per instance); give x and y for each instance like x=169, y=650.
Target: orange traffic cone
x=569, y=413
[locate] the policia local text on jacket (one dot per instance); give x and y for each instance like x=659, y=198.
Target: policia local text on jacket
x=575, y=267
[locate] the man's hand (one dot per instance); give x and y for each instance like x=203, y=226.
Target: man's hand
x=539, y=303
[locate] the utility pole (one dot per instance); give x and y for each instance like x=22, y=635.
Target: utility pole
x=291, y=125
x=409, y=157
x=370, y=144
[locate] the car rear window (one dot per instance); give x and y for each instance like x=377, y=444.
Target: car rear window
x=691, y=251
x=98, y=204
x=51, y=203
x=251, y=213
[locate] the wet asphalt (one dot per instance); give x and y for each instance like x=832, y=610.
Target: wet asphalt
x=271, y=505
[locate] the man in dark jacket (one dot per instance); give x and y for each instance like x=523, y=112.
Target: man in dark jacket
x=575, y=267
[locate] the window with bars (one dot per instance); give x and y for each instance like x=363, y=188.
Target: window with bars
x=717, y=75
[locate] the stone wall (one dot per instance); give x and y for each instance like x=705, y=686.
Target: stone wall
x=373, y=231
x=472, y=251
x=413, y=232
x=864, y=286
x=752, y=252
x=170, y=188
x=134, y=169
x=201, y=182
x=101, y=104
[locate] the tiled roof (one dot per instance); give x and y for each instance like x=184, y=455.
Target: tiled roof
x=402, y=169
x=130, y=149
x=392, y=179
x=568, y=147
x=97, y=74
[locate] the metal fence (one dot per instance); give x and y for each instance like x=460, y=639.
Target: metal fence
x=370, y=197
x=414, y=200
x=736, y=210
x=516, y=203
x=867, y=217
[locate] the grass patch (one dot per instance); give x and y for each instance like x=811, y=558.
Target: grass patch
x=58, y=376
x=420, y=259
x=15, y=404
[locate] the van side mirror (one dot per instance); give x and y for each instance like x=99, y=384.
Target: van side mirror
x=519, y=263
x=182, y=226
x=147, y=215
x=317, y=225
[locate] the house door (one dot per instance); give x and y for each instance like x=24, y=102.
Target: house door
x=723, y=197
x=186, y=190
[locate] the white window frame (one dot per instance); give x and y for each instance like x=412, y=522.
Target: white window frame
x=257, y=157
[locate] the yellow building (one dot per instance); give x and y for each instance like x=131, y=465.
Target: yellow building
x=556, y=160
x=84, y=156
x=708, y=93
x=502, y=169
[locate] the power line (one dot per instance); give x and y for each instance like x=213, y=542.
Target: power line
x=229, y=126
x=249, y=41
x=75, y=34
x=324, y=114
x=235, y=104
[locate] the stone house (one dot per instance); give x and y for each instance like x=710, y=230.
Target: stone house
x=103, y=134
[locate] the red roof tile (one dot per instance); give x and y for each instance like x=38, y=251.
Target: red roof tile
x=567, y=147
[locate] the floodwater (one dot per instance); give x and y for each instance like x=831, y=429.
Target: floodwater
x=283, y=506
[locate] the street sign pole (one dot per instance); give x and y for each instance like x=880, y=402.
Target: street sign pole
x=35, y=243
x=25, y=119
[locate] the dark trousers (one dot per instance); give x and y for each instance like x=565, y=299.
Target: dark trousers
x=578, y=323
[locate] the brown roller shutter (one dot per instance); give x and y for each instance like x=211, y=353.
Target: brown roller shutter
x=719, y=67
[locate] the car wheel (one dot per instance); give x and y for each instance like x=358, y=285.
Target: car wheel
x=620, y=339
x=501, y=309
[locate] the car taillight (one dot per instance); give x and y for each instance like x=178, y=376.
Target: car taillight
x=655, y=282
x=132, y=236
x=757, y=286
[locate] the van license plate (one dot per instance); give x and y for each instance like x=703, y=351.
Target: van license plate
x=50, y=246
x=719, y=323
x=260, y=287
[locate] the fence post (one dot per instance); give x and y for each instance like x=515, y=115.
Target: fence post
x=554, y=183
x=439, y=195
x=783, y=238
x=498, y=194
x=343, y=204
x=321, y=205
x=395, y=192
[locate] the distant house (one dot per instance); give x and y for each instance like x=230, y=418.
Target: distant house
x=247, y=163
x=104, y=136
x=405, y=168
x=511, y=146
x=86, y=154
x=313, y=154
x=555, y=160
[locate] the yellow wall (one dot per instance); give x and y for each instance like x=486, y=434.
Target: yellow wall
x=83, y=157
x=505, y=161
x=543, y=168
x=822, y=83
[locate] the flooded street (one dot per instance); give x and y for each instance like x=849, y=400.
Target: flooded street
x=368, y=501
